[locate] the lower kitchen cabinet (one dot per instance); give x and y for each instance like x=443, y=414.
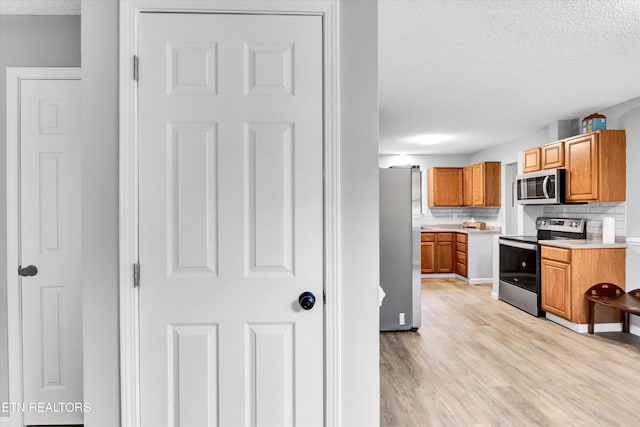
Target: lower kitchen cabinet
x=556, y=282
x=427, y=253
x=444, y=253
x=461, y=255
x=568, y=273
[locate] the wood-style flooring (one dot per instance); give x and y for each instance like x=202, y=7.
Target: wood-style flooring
x=481, y=362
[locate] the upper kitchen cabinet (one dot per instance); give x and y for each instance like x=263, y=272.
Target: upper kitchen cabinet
x=486, y=184
x=532, y=160
x=596, y=167
x=549, y=156
x=467, y=186
x=445, y=187
x=553, y=155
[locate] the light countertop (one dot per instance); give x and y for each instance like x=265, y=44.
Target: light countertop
x=457, y=228
x=584, y=243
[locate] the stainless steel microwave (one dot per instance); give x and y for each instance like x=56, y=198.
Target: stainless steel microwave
x=541, y=188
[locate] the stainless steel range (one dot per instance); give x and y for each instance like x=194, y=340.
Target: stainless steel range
x=520, y=261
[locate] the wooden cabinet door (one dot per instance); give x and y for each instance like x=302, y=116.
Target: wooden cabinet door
x=428, y=257
x=553, y=155
x=556, y=288
x=478, y=184
x=444, y=257
x=445, y=187
x=467, y=186
x=581, y=155
x=531, y=161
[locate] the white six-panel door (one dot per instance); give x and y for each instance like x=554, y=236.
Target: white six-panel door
x=50, y=236
x=230, y=219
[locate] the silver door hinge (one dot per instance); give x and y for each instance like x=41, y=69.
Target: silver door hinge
x=136, y=275
x=135, y=67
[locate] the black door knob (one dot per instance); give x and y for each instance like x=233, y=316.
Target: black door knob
x=30, y=270
x=307, y=300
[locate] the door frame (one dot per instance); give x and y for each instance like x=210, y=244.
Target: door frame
x=129, y=313
x=15, y=76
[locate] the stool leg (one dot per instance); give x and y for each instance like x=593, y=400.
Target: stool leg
x=591, y=316
x=625, y=322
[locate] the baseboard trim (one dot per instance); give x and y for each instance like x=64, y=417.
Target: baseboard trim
x=494, y=295
x=583, y=328
x=440, y=276
x=481, y=281
x=472, y=281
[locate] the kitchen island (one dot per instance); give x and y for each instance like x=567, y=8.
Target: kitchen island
x=450, y=250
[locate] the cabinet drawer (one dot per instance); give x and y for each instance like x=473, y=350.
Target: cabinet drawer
x=461, y=269
x=558, y=254
x=445, y=237
x=461, y=258
x=427, y=237
x=461, y=237
x=461, y=247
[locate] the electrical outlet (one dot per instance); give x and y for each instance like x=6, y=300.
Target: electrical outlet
x=401, y=319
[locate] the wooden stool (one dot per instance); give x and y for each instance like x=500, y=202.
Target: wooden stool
x=613, y=296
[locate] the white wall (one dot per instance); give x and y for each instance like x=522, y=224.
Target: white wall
x=27, y=41
x=511, y=152
x=360, y=243
x=627, y=116
x=100, y=212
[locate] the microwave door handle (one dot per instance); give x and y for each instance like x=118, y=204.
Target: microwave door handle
x=544, y=186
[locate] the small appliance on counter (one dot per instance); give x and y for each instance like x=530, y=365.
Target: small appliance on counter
x=477, y=225
x=520, y=283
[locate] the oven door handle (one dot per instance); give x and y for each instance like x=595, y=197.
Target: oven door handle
x=522, y=245
x=545, y=182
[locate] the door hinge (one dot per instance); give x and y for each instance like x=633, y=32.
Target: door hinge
x=136, y=275
x=135, y=67
x=324, y=298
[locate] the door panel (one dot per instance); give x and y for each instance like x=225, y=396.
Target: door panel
x=556, y=288
x=50, y=233
x=582, y=168
x=230, y=208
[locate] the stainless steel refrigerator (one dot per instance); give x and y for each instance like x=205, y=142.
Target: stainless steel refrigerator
x=400, y=209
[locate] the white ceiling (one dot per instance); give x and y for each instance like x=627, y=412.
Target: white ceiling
x=484, y=72
x=39, y=7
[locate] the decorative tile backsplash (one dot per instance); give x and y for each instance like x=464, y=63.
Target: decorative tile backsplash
x=459, y=215
x=593, y=212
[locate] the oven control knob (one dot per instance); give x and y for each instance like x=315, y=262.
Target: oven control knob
x=574, y=224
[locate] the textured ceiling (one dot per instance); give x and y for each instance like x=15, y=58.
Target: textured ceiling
x=484, y=72
x=39, y=7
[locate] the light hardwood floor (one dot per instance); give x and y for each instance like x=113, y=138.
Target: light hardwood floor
x=480, y=362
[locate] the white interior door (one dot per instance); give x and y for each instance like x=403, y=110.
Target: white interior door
x=50, y=226
x=231, y=219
